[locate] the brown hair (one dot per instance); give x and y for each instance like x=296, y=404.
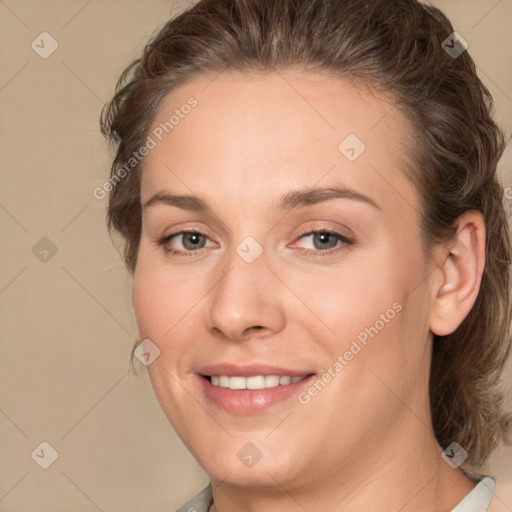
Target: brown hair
x=392, y=47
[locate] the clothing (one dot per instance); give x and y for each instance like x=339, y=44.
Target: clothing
x=477, y=500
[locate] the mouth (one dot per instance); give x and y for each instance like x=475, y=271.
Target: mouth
x=251, y=389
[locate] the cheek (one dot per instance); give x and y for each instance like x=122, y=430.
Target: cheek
x=158, y=303
x=375, y=311
x=147, y=301
x=351, y=299
x=169, y=310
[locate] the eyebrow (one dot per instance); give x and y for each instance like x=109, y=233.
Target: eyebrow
x=289, y=201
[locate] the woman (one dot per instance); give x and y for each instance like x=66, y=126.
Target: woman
x=308, y=196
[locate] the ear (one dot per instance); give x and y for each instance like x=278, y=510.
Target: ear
x=460, y=264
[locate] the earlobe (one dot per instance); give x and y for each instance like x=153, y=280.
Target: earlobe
x=460, y=271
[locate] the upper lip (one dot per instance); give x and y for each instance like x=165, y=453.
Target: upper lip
x=233, y=370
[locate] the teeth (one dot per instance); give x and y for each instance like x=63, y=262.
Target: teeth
x=237, y=383
x=254, y=382
x=257, y=382
x=271, y=381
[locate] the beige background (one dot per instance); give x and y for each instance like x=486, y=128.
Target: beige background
x=67, y=325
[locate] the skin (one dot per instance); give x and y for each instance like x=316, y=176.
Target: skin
x=365, y=442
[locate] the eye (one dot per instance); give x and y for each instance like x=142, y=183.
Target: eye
x=325, y=241
x=191, y=242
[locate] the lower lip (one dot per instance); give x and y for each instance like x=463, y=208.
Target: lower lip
x=250, y=401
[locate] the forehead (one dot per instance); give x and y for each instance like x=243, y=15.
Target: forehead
x=252, y=133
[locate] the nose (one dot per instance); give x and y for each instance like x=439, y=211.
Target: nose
x=248, y=301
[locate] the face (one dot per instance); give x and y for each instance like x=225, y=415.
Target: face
x=293, y=264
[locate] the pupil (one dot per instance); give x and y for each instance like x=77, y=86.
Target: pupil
x=324, y=239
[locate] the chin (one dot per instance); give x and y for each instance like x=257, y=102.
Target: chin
x=241, y=463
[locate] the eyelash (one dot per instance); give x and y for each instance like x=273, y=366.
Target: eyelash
x=346, y=241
